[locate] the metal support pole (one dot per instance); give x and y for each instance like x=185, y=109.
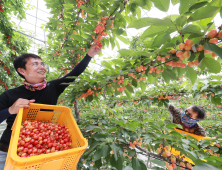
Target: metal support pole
x=29, y=36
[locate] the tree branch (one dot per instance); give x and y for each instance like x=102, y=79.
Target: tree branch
x=77, y=111
x=125, y=2
x=154, y=155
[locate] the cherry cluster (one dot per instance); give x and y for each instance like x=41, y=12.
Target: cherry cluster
x=88, y=93
x=5, y=68
x=172, y=160
x=99, y=30
x=185, y=50
x=38, y=138
x=80, y=3
x=1, y=7
x=136, y=142
x=1, y=82
x=82, y=13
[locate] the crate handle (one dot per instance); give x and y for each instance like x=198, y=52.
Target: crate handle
x=47, y=110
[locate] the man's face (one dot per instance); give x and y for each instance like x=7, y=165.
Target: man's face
x=189, y=111
x=35, y=71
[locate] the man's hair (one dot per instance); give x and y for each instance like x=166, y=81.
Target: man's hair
x=20, y=61
x=200, y=110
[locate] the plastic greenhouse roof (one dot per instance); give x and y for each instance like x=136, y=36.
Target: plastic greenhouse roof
x=39, y=14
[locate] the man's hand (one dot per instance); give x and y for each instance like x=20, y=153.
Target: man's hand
x=93, y=50
x=20, y=103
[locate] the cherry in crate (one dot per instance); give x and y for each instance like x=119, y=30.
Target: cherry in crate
x=40, y=137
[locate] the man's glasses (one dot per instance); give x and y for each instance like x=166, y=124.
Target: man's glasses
x=189, y=115
x=36, y=64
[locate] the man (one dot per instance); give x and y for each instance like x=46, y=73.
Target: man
x=35, y=89
x=189, y=118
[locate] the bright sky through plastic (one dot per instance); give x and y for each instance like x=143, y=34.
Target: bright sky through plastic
x=39, y=15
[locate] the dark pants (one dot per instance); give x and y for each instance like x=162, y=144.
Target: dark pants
x=3, y=155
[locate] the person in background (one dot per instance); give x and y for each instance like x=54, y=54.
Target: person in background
x=35, y=89
x=189, y=118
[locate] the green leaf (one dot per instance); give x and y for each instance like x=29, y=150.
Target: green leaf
x=192, y=29
x=174, y=2
x=91, y=149
x=133, y=7
x=168, y=44
x=89, y=10
x=138, y=12
x=118, y=31
x=202, y=65
x=91, y=127
x=135, y=164
x=117, y=92
x=118, y=61
x=205, y=166
x=148, y=5
x=142, y=165
x=134, y=82
x=192, y=57
x=98, y=163
x=191, y=74
x=131, y=152
x=127, y=93
x=171, y=125
x=123, y=39
x=215, y=100
x=117, y=44
x=152, y=31
x=201, y=56
x=204, y=12
x=181, y=21
x=214, y=48
x=103, y=152
x=168, y=74
x=138, y=53
x=68, y=6
x=141, y=2
x=147, y=21
x=213, y=158
x=107, y=64
x=99, y=136
x=77, y=38
x=212, y=64
x=125, y=52
x=129, y=88
x=143, y=86
x=119, y=164
x=166, y=77
x=221, y=12
x=112, y=42
x=112, y=161
x=89, y=98
x=158, y=162
x=115, y=149
x=164, y=136
x=215, y=149
x=180, y=71
x=161, y=5
x=176, y=134
x=160, y=39
x=217, y=3
x=197, y=5
x=185, y=5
